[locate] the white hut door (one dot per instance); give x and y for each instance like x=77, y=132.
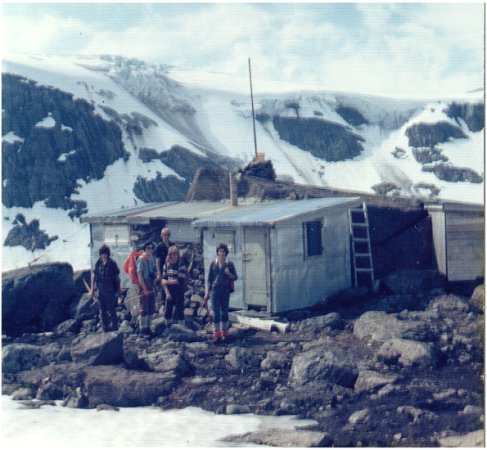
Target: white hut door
x=254, y=262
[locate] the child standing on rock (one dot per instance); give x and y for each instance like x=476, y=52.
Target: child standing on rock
x=220, y=277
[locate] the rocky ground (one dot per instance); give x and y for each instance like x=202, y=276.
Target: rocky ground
x=401, y=368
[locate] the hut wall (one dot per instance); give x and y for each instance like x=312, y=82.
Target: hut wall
x=465, y=245
x=299, y=281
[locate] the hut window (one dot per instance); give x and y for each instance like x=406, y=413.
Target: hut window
x=226, y=237
x=312, y=238
x=117, y=234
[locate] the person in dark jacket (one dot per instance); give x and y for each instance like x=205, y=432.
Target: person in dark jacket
x=221, y=272
x=105, y=277
x=174, y=283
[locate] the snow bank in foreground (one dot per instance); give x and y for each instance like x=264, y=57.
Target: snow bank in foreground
x=56, y=426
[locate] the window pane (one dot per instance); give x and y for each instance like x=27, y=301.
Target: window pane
x=313, y=238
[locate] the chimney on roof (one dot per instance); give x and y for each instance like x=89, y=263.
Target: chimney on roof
x=233, y=190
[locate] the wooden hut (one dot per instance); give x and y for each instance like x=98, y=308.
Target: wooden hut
x=458, y=239
x=288, y=254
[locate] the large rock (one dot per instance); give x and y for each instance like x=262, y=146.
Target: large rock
x=378, y=326
x=369, y=380
x=478, y=297
x=98, y=349
x=408, y=353
x=469, y=440
x=167, y=360
x=84, y=308
x=120, y=387
x=36, y=298
x=323, y=363
x=412, y=281
x=18, y=357
x=320, y=323
x=242, y=358
x=278, y=437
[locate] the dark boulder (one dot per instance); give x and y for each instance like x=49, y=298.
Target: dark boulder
x=120, y=387
x=323, y=363
x=19, y=357
x=98, y=349
x=84, y=308
x=36, y=298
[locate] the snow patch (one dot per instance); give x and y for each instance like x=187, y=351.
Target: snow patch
x=47, y=122
x=11, y=137
x=63, y=156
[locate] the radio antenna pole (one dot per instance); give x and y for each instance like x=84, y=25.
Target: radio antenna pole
x=253, y=113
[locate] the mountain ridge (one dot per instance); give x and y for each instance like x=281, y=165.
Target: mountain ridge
x=367, y=149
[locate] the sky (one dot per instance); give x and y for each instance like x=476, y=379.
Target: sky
x=392, y=49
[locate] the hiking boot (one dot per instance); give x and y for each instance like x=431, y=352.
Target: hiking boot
x=216, y=337
x=224, y=335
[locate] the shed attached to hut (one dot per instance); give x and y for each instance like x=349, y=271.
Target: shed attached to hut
x=458, y=239
x=288, y=254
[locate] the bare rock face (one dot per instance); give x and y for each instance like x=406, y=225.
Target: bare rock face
x=48, y=160
x=36, y=298
x=428, y=135
x=116, y=386
x=210, y=183
x=28, y=235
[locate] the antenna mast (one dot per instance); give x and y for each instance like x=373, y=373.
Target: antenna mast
x=253, y=113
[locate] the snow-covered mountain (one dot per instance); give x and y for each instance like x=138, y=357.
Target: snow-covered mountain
x=87, y=134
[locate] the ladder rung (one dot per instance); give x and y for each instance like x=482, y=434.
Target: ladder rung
x=360, y=239
x=364, y=269
x=357, y=210
x=362, y=255
x=360, y=224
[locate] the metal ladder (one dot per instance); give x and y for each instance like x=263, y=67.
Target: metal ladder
x=363, y=268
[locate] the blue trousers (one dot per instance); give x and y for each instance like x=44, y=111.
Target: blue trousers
x=220, y=298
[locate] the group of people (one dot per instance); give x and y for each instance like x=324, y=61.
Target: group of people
x=161, y=269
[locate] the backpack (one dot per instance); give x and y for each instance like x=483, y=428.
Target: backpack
x=130, y=265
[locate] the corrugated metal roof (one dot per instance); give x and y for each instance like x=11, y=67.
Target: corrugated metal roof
x=180, y=210
x=268, y=213
x=120, y=214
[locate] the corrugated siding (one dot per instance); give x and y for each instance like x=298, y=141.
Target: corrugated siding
x=298, y=282
x=182, y=231
x=465, y=245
